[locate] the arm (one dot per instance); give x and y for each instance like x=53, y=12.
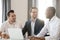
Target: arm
x=24, y=30
x=4, y=33
x=3, y=28
x=43, y=32
x=56, y=33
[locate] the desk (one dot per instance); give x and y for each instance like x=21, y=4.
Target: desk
x=32, y=38
x=11, y=39
x=22, y=39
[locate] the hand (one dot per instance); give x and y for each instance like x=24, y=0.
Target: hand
x=30, y=37
x=41, y=38
x=5, y=36
x=37, y=38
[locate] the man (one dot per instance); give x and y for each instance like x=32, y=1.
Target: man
x=34, y=25
x=53, y=25
x=10, y=23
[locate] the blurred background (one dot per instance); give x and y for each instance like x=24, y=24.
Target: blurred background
x=22, y=7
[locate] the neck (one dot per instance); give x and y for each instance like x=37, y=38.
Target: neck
x=50, y=18
x=33, y=19
x=11, y=22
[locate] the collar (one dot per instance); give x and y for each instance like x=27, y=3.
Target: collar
x=34, y=20
x=52, y=18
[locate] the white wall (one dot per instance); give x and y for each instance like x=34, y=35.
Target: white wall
x=21, y=8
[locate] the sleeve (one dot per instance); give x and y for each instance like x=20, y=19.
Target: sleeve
x=56, y=35
x=43, y=23
x=57, y=32
x=24, y=30
x=3, y=27
x=43, y=32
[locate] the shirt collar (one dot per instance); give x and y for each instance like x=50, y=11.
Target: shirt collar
x=52, y=18
x=34, y=20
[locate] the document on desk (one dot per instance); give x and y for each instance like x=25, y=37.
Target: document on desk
x=15, y=33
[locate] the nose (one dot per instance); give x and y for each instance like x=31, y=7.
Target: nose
x=14, y=17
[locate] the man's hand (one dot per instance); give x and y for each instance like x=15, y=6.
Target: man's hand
x=37, y=38
x=5, y=36
x=29, y=37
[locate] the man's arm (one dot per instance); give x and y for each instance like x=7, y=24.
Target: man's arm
x=56, y=35
x=24, y=30
x=3, y=28
x=4, y=34
x=43, y=31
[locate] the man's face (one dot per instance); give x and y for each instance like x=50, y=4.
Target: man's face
x=12, y=17
x=49, y=13
x=34, y=13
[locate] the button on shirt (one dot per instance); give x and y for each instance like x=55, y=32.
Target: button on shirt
x=53, y=27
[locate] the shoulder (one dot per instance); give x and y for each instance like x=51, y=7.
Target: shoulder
x=39, y=20
x=57, y=19
x=28, y=21
x=4, y=23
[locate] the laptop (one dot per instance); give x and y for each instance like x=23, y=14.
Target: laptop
x=15, y=33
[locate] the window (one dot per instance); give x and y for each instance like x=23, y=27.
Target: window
x=0, y=12
x=42, y=6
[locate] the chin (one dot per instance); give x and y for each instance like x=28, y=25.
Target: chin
x=14, y=21
x=34, y=17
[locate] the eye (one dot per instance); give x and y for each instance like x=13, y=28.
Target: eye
x=12, y=16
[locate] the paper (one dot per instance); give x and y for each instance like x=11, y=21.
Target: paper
x=15, y=33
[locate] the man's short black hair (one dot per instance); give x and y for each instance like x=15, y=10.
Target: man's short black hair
x=11, y=11
x=53, y=9
x=33, y=8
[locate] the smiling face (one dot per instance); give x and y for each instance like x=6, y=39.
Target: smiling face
x=12, y=17
x=50, y=12
x=34, y=13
